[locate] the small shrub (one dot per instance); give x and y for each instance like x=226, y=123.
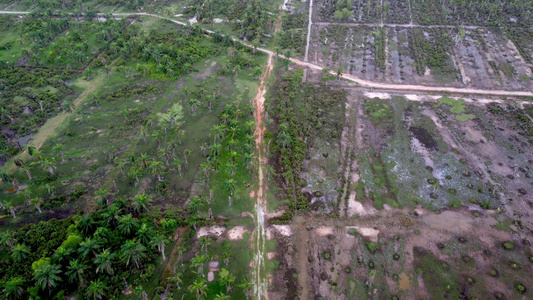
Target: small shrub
x=508, y=245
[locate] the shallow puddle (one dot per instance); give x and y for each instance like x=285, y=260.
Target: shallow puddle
x=404, y=281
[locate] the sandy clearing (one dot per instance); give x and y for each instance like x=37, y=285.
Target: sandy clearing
x=382, y=96
x=324, y=230
x=212, y=230
x=284, y=230
x=367, y=232
x=449, y=221
x=237, y=233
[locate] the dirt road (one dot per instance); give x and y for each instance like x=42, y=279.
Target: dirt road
x=260, y=277
x=353, y=78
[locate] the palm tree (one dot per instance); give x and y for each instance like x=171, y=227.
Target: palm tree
x=139, y=291
x=49, y=188
x=158, y=135
x=194, y=204
x=221, y=296
x=339, y=73
x=132, y=250
x=284, y=138
x=104, y=261
x=206, y=168
x=145, y=234
x=198, y=262
x=58, y=149
x=227, y=278
x=176, y=279
x=180, y=254
x=229, y=186
x=179, y=164
x=144, y=158
x=141, y=203
x=127, y=224
x=7, y=239
x=36, y=202
x=215, y=149
x=46, y=276
x=101, y=195
x=76, y=270
x=96, y=290
x=86, y=224
x=186, y=153
x=61, y=254
x=198, y=287
x=218, y=131
x=193, y=102
x=246, y=286
x=226, y=256
x=157, y=168
x=10, y=206
x=26, y=169
x=19, y=252
x=120, y=164
x=14, y=288
x=111, y=214
x=159, y=242
x=87, y=246
x=48, y=165
x=205, y=241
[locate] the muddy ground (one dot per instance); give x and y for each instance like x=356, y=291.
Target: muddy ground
x=429, y=205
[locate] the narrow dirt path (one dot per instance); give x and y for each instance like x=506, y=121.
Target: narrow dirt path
x=302, y=240
x=259, y=274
